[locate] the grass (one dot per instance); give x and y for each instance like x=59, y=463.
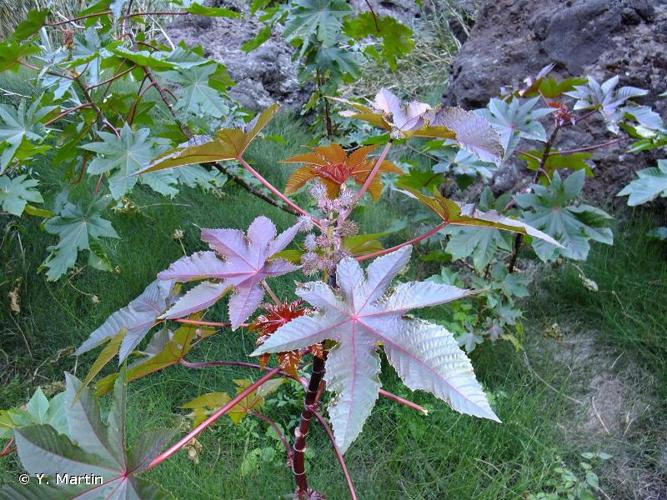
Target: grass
x=630, y=307
x=400, y=454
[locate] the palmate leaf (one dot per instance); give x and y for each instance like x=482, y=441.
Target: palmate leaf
x=19, y=128
x=553, y=209
x=460, y=162
x=389, y=113
x=319, y=19
x=459, y=214
x=11, y=53
x=396, y=37
x=135, y=320
x=651, y=183
x=165, y=349
x=17, y=192
x=203, y=405
x=480, y=243
x=33, y=22
x=91, y=446
x=39, y=410
x=227, y=144
x=122, y=157
x=604, y=98
x=333, y=166
x=247, y=261
x=79, y=227
x=426, y=356
x=556, y=161
x=471, y=132
x=515, y=120
x=194, y=93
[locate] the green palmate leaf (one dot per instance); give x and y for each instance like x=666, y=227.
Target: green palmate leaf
x=33, y=22
x=11, y=53
x=459, y=214
x=92, y=447
x=359, y=318
x=164, y=350
x=338, y=61
x=39, y=410
x=552, y=88
x=480, y=243
x=516, y=120
x=396, y=37
x=604, y=98
x=651, y=183
x=262, y=36
x=553, y=209
x=556, y=161
x=19, y=126
x=77, y=227
x=122, y=157
x=200, y=10
x=195, y=94
x=202, y=406
x=158, y=61
x=226, y=144
x=106, y=355
x=319, y=19
x=17, y=192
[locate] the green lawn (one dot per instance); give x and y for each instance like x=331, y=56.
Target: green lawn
x=400, y=454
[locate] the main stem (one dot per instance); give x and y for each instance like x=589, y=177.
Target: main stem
x=301, y=433
x=518, y=239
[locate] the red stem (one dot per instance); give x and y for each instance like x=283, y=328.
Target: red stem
x=204, y=323
x=113, y=78
x=276, y=192
x=404, y=402
x=373, y=173
x=417, y=239
x=67, y=112
x=278, y=432
x=339, y=455
x=587, y=148
x=215, y=416
x=7, y=449
x=301, y=433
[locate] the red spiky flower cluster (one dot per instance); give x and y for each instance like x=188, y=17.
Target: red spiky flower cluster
x=275, y=316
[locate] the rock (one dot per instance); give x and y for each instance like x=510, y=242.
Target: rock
x=513, y=39
x=263, y=76
x=406, y=11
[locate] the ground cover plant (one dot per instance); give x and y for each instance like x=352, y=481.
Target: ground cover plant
x=346, y=321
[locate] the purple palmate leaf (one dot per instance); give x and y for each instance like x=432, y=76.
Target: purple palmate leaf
x=238, y=264
x=361, y=315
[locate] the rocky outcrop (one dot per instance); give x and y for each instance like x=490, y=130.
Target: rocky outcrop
x=513, y=39
x=263, y=76
x=267, y=74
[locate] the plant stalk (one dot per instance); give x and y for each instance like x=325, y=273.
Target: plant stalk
x=301, y=433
